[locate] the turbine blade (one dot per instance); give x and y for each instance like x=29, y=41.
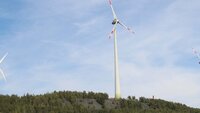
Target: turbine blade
x=112, y=32
x=3, y=57
x=113, y=11
x=125, y=27
x=110, y=2
x=3, y=75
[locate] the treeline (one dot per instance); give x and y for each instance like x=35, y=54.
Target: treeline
x=87, y=102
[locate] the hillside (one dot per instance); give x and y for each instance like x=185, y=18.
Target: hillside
x=87, y=102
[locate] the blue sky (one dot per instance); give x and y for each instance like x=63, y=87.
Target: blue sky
x=64, y=45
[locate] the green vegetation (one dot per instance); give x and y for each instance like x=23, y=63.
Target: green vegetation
x=87, y=102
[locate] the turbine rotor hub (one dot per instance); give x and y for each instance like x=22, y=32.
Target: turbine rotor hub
x=115, y=21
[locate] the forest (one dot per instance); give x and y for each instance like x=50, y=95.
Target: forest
x=87, y=102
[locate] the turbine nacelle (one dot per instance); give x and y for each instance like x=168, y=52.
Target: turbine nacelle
x=115, y=21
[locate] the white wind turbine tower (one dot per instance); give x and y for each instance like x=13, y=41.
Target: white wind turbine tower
x=116, y=65
x=1, y=71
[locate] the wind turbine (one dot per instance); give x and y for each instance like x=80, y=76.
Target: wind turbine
x=1, y=71
x=197, y=54
x=115, y=22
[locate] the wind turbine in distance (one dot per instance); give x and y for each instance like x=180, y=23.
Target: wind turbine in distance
x=197, y=54
x=1, y=71
x=116, y=65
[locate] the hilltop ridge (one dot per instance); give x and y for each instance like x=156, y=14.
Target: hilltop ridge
x=87, y=102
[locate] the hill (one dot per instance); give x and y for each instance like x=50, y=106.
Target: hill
x=87, y=102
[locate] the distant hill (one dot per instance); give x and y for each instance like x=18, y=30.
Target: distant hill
x=87, y=102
